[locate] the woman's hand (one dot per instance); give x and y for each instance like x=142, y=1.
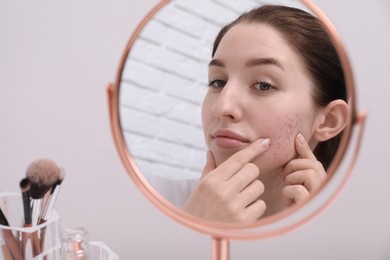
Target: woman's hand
x=230, y=192
x=301, y=176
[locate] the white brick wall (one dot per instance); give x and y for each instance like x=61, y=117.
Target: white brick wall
x=164, y=82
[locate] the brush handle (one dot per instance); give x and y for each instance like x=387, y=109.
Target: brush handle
x=47, y=211
x=35, y=244
x=4, y=248
x=9, y=238
x=6, y=253
x=26, y=208
x=12, y=244
x=48, y=205
x=45, y=202
x=36, y=206
x=43, y=236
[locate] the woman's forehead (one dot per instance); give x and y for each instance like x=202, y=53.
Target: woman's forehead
x=248, y=42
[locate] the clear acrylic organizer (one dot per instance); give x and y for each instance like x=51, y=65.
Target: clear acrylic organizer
x=99, y=251
x=46, y=235
x=18, y=242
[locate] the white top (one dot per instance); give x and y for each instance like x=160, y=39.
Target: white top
x=173, y=189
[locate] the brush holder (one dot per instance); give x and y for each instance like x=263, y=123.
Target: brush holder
x=37, y=242
x=99, y=251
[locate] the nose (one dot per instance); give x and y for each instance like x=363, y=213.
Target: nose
x=228, y=103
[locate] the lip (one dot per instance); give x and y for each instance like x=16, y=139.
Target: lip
x=225, y=138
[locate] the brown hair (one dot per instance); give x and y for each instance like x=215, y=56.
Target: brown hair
x=307, y=36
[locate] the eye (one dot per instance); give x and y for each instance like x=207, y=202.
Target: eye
x=263, y=86
x=217, y=83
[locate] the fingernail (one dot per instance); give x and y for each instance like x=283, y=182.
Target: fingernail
x=301, y=139
x=265, y=143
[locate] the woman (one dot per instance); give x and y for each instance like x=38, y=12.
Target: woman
x=272, y=116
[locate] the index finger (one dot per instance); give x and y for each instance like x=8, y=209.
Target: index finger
x=303, y=149
x=243, y=157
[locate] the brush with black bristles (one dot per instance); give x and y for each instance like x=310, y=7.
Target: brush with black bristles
x=25, y=186
x=43, y=175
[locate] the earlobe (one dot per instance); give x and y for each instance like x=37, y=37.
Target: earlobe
x=334, y=119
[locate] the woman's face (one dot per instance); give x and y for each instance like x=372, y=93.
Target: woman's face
x=259, y=88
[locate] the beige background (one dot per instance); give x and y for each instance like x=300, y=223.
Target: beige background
x=55, y=59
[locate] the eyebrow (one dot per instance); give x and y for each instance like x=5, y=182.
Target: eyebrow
x=251, y=63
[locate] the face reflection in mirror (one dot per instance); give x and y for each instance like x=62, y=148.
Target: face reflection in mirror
x=272, y=118
x=261, y=117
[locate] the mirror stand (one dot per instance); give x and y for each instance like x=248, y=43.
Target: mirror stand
x=220, y=249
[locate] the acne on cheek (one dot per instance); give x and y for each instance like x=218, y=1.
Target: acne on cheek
x=282, y=149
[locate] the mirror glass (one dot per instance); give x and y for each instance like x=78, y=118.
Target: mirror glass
x=163, y=80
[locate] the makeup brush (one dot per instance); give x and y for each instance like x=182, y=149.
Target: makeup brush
x=9, y=238
x=25, y=187
x=49, y=206
x=4, y=248
x=42, y=174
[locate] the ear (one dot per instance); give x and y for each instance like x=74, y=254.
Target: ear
x=331, y=121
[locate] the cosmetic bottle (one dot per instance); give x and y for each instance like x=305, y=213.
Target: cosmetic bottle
x=75, y=244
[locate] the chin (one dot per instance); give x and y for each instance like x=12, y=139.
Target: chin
x=219, y=159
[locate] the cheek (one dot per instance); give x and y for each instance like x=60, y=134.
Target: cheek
x=205, y=113
x=282, y=132
x=207, y=117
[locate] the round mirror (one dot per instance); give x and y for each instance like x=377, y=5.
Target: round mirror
x=191, y=81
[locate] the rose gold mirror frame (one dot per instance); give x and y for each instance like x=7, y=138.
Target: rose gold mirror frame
x=222, y=233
